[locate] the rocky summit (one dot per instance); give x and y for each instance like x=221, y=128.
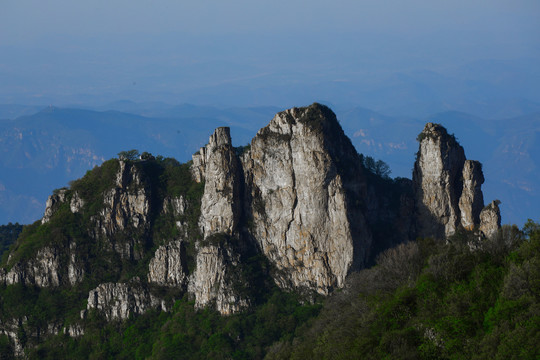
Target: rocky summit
x=297, y=208
x=447, y=188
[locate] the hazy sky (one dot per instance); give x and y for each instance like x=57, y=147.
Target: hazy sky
x=59, y=49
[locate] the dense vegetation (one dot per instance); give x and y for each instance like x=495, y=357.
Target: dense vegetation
x=467, y=298
x=8, y=234
x=428, y=300
x=423, y=300
x=185, y=333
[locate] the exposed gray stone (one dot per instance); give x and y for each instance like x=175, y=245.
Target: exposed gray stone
x=447, y=187
x=212, y=284
x=53, y=202
x=126, y=207
x=77, y=203
x=42, y=270
x=74, y=330
x=301, y=219
x=437, y=178
x=220, y=204
x=168, y=266
x=117, y=301
x=490, y=219
x=471, y=201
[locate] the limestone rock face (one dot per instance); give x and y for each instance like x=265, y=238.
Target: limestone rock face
x=175, y=205
x=126, y=207
x=212, y=282
x=168, y=267
x=447, y=187
x=117, y=301
x=53, y=202
x=11, y=330
x=77, y=203
x=438, y=183
x=300, y=211
x=471, y=201
x=75, y=270
x=44, y=270
x=220, y=205
x=216, y=279
x=490, y=219
x=74, y=330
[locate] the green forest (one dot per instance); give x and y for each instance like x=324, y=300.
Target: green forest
x=422, y=300
x=466, y=298
x=8, y=234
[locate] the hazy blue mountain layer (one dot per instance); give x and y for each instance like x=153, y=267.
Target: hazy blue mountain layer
x=53, y=146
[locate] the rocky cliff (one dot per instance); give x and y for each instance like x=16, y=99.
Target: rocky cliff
x=302, y=218
x=447, y=188
x=298, y=208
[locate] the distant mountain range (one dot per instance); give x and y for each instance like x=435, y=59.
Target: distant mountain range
x=44, y=148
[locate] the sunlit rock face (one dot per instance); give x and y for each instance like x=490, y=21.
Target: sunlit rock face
x=220, y=205
x=471, y=201
x=212, y=282
x=490, y=219
x=448, y=192
x=301, y=216
x=217, y=279
x=126, y=207
x=117, y=301
x=168, y=267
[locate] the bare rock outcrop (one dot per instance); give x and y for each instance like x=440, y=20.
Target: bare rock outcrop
x=77, y=203
x=45, y=269
x=438, y=182
x=11, y=329
x=471, y=201
x=53, y=203
x=490, y=219
x=117, y=301
x=212, y=282
x=126, y=206
x=220, y=204
x=217, y=280
x=75, y=269
x=300, y=206
x=447, y=186
x=168, y=267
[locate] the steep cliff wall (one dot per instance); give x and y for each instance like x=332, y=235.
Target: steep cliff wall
x=218, y=255
x=301, y=216
x=447, y=186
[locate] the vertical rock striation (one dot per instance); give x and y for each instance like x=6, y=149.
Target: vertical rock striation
x=447, y=187
x=220, y=205
x=490, y=219
x=471, y=201
x=117, y=301
x=126, y=206
x=218, y=165
x=302, y=217
x=218, y=279
x=53, y=203
x=438, y=182
x=168, y=267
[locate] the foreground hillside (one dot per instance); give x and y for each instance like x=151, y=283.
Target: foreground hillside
x=232, y=254
x=427, y=300
x=422, y=300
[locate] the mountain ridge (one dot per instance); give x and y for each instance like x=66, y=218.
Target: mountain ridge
x=298, y=209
